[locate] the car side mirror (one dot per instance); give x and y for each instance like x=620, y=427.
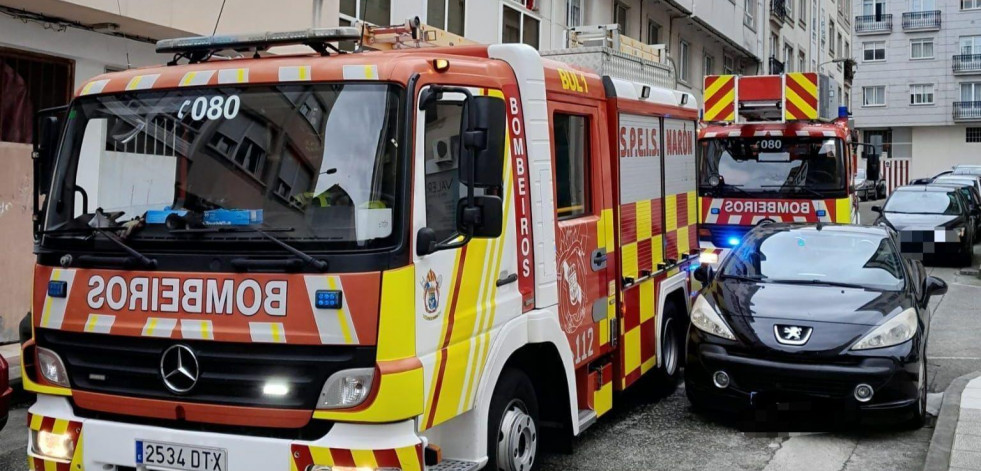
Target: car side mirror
x=704, y=274
x=877, y=209
x=933, y=286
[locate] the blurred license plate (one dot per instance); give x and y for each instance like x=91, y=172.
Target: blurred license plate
x=159, y=455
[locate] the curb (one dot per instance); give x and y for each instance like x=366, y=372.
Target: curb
x=938, y=456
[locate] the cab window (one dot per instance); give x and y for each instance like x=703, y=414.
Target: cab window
x=441, y=150
x=571, y=146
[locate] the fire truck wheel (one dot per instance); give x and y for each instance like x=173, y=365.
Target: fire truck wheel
x=512, y=432
x=672, y=350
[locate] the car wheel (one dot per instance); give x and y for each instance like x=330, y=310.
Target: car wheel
x=672, y=350
x=880, y=192
x=512, y=432
x=919, y=409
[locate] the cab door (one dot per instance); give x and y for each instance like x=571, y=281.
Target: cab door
x=584, y=233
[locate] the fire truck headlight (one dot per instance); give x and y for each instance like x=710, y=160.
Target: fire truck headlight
x=346, y=388
x=707, y=319
x=52, y=445
x=52, y=368
x=708, y=258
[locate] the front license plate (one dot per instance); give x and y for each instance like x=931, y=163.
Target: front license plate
x=159, y=455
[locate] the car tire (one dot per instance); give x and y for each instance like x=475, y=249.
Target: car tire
x=696, y=399
x=919, y=415
x=672, y=352
x=512, y=428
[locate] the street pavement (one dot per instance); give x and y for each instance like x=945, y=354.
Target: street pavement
x=651, y=432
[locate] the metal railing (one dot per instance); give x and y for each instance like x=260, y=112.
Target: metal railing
x=776, y=67
x=925, y=20
x=873, y=24
x=778, y=9
x=967, y=63
x=967, y=110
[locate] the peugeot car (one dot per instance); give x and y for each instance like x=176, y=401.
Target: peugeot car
x=933, y=221
x=804, y=313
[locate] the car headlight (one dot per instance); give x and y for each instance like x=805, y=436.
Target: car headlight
x=59, y=446
x=892, y=332
x=52, y=368
x=708, y=320
x=346, y=388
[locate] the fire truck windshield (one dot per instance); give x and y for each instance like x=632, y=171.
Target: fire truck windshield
x=771, y=165
x=319, y=162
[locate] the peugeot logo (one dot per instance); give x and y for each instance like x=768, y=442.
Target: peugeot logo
x=179, y=368
x=792, y=334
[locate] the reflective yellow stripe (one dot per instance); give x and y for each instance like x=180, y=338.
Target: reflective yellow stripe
x=151, y=324
x=341, y=315
x=188, y=78
x=205, y=334
x=277, y=336
x=36, y=422
x=321, y=456
x=46, y=315
x=241, y=75
x=364, y=459
x=408, y=459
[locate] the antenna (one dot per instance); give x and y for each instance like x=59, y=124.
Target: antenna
x=126, y=43
x=222, y=10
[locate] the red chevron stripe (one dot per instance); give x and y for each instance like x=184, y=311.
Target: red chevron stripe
x=711, y=101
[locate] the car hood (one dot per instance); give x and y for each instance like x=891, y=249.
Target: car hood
x=831, y=318
x=916, y=222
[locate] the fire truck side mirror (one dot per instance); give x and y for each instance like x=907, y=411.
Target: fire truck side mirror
x=483, y=220
x=47, y=130
x=482, y=142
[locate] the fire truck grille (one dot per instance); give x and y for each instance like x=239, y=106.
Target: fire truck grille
x=229, y=373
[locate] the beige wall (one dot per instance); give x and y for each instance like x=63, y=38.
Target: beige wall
x=16, y=250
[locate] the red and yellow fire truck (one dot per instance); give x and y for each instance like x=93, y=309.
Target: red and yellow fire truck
x=764, y=156
x=422, y=258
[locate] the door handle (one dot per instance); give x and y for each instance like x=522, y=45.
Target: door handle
x=507, y=280
x=598, y=260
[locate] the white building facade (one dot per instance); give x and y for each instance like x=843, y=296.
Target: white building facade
x=918, y=85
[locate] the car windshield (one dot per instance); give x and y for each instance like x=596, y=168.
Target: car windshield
x=924, y=202
x=772, y=164
x=967, y=171
x=318, y=161
x=811, y=255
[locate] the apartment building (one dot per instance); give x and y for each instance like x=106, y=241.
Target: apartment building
x=812, y=36
x=919, y=80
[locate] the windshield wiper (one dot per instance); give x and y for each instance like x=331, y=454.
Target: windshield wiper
x=820, y=282
x=726, y=186
x=797, y=189
x=314, y=262
x=108, y=233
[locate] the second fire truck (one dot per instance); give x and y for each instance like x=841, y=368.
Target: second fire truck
x=763, y=155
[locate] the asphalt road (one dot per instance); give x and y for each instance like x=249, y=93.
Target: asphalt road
x=649, y=431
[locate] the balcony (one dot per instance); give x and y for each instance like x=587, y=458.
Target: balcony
x=778, y=11
x=873, y=24
x=967, y=64
x=776, y=67
x=921, y=20
x=967, y=111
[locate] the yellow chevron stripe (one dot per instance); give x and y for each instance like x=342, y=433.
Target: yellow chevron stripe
x=721, y=82
x=803, y=106
x=408, y=460
x=364, y=459
x=36, y=422
x=807, y=85
x=713, y=113
x=321, y=455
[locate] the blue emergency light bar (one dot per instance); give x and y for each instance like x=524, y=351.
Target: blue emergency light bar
x=58, y=289
x=259, y=41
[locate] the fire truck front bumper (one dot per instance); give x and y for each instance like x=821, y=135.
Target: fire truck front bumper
x=60, y=440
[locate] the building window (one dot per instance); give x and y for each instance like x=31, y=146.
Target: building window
x=575, y=13
x=875, y=8
x=620, y=16
x=728, y=65
x=924, y=5
x=519, y=27
x=447, y=14
x=973, y=135
x=789, y=5
x=653, y=32
x=971, y=91
x=30, y=82
x=684, y=51
x=802, y=62
x=803, y=12
x=970, y=45
x=874, y=51
x=749, y=13
x=774, y=45
x=970, y=4
x=921, y=94
x=708, y=65
x=571, y=144
x=377, y=12
x=831, y=39
x=874, y=96
x=921, y=48
x=839, y=50
x=788, y=57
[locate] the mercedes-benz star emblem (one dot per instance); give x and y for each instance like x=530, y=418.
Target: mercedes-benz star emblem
x=792, y=334
x=179, y=368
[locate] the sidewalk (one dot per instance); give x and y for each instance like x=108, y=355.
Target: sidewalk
x=966, y=452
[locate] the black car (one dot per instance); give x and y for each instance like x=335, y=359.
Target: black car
x=933, y=221
x=800, y=313
x=971, y=194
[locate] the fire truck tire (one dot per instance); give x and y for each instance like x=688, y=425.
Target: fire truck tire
x=512, y=431
x=672, y=350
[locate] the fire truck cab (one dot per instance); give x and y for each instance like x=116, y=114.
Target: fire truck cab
x=421, y=258
x=765, y=156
